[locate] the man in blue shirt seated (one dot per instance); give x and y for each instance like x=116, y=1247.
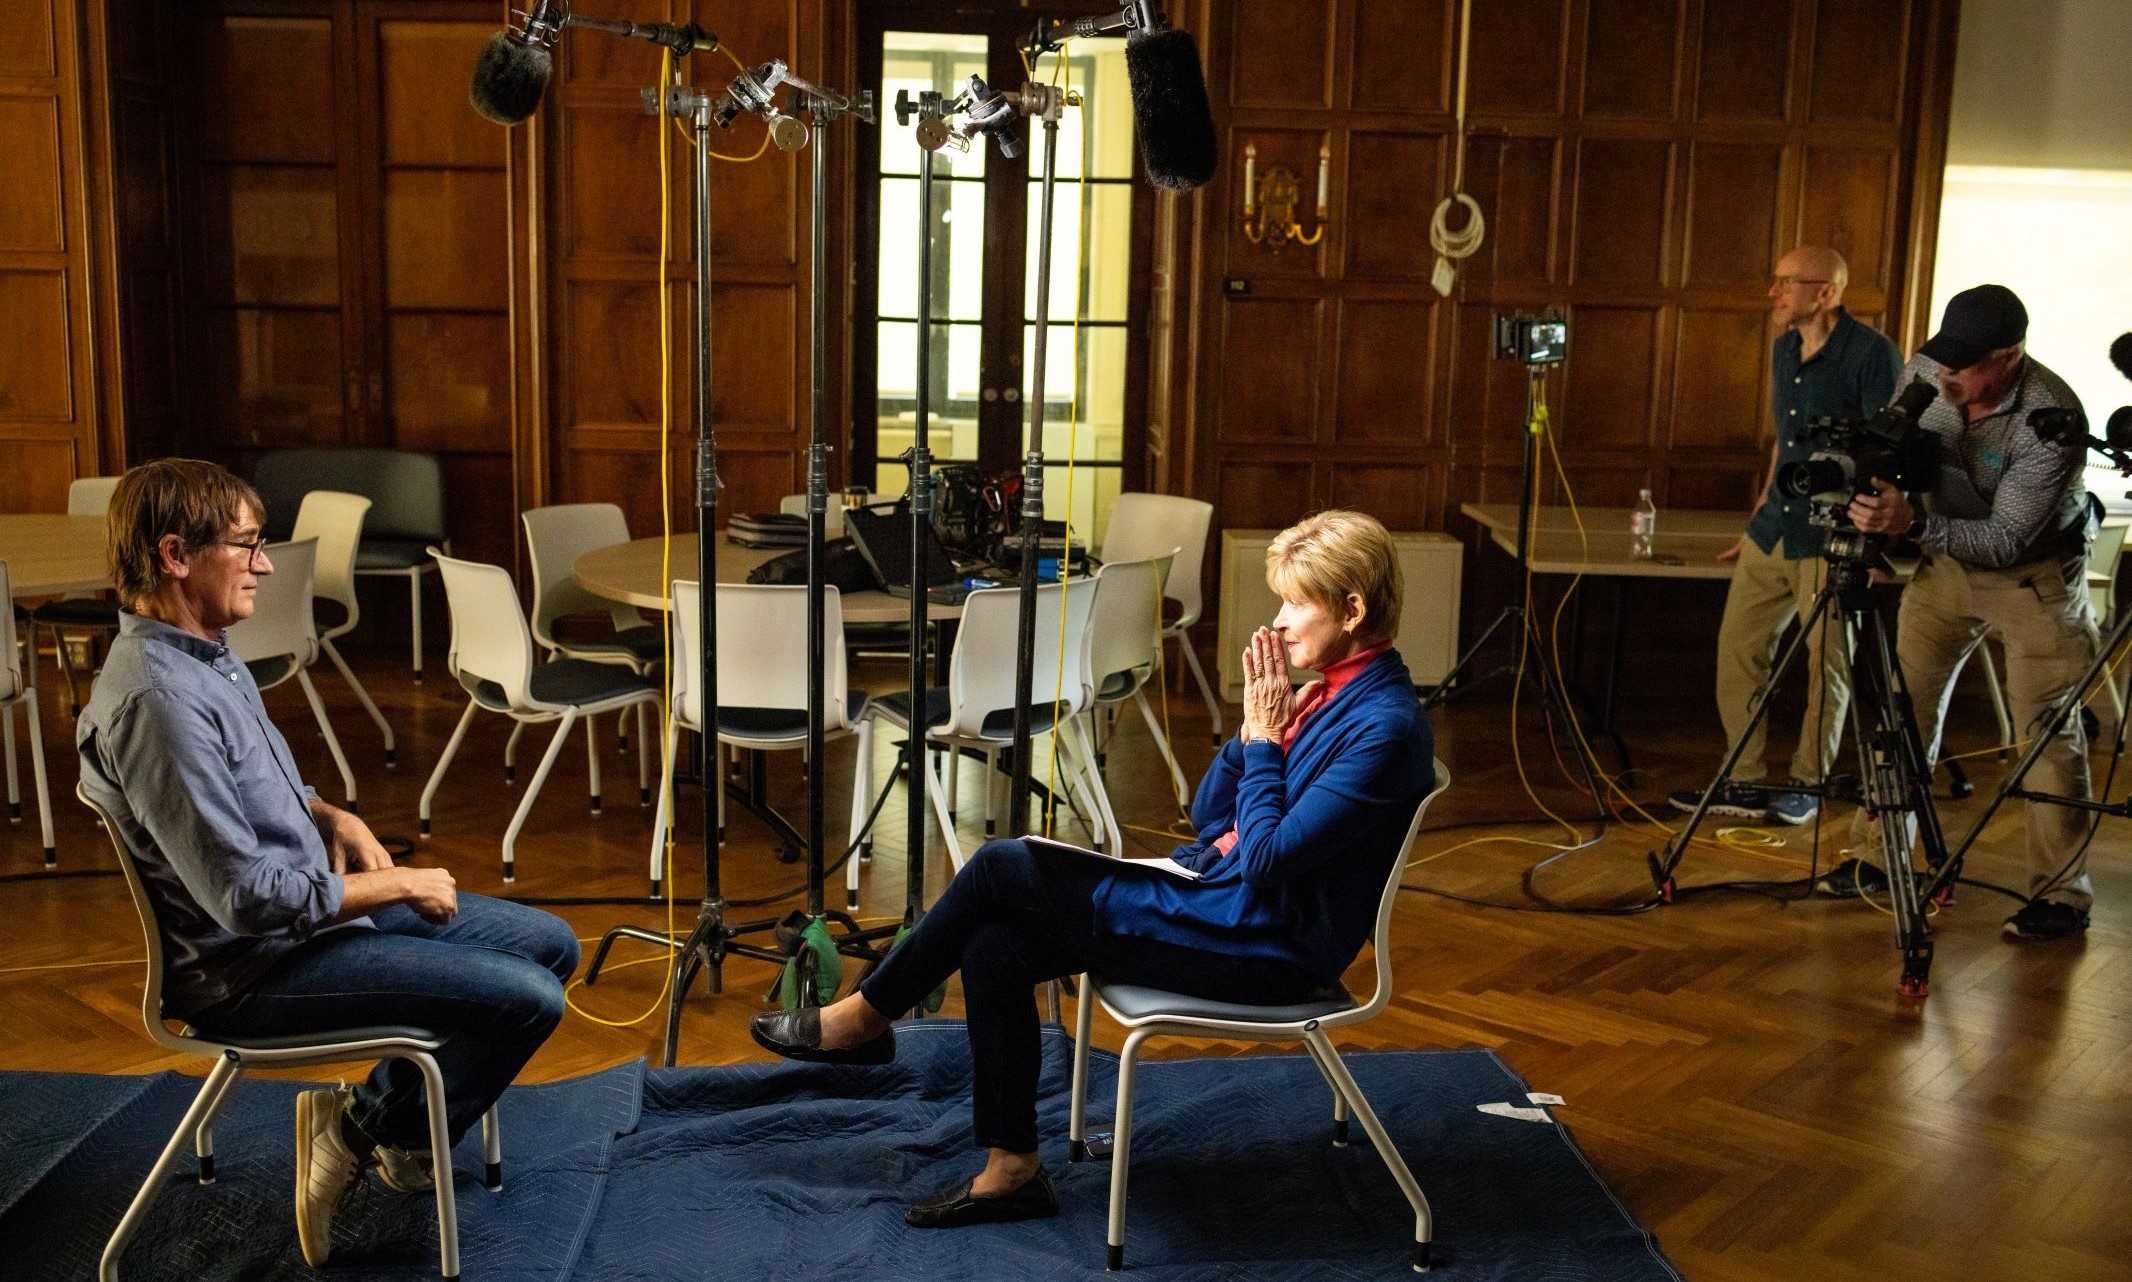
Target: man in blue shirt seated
x=280, y=914
x=1825, y=363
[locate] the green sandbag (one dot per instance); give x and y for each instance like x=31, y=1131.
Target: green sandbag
x=818, y=946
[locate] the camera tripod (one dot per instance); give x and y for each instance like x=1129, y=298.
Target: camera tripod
x=1894, y=781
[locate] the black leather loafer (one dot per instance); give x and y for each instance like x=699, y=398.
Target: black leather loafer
x=1035, y=1200
x=797, y=1034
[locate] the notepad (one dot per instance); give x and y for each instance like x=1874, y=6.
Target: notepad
x=1163, y=865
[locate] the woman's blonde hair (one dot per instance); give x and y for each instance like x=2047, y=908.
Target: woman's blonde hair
x=1325, y=557
x=195, y=500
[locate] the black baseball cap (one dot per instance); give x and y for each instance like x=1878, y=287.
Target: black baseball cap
x=1977, y=322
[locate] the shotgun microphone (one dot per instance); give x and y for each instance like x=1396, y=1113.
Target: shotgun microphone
x=2121, y=354
x=1170, y=110
x=513, y=70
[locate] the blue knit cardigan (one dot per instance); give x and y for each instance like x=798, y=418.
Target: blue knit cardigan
x=1318, y=826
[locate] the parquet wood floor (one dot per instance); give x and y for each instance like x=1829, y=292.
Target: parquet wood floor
x=1739, y=1067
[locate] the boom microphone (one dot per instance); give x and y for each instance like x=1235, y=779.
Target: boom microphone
x=512, y=72
x=2121, y=354
x=1170, y=111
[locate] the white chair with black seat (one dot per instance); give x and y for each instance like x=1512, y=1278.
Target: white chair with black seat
x=1125, y=649
x=974, y=712
x=15, y=690
x=335, y=521
x=762, y=693
x=234, y=1056
x=1150, y=1012
x=1148, y=525
x=556, y=536
x=280, y=640
x=492, y=657
x=92, y=612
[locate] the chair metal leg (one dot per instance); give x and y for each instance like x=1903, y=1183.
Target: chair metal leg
x=362, y=696
x=1077, y=1118
x=643, y=753
x=203, y=1136
x=663, y=812
x=951, y=766
x=510, y=753
x=862, y=795
x=1162, y=742
x=7, y=748
x=1998, y=697
x=1206, y=691
x=451, y=749
x=1343, y=1081
x=225, y=1069
x=440, y=1157
x=66, y=671
x=1101, y=819
x=414, y=611
x=492, y=1151
x=1339, y=1100
x=1122, y=1147
x=944, y=818
x=592, y=759
x=992, y=783
x=525, y=803
x=333, y=743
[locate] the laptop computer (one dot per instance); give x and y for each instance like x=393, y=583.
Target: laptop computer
x=883, y=537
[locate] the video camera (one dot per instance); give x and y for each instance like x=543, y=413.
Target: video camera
x=1851, y=452
x=1541, y=340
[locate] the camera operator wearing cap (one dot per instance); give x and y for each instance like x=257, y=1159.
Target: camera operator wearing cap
x=2005, y=542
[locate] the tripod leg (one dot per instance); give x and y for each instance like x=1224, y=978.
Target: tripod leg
x=1445, y=688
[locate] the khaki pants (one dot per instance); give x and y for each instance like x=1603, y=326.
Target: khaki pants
x=1767, y=593
x=2043, y=613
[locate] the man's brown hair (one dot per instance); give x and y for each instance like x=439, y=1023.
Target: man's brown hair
x=196, y=500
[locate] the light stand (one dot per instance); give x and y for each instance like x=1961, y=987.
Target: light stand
x=1540, y=662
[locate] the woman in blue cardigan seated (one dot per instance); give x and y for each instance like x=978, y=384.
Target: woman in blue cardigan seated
x=1299, y=821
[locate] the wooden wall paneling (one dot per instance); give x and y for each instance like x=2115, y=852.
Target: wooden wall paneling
x=1283, y=54
x=1853, y=79
x=1624, y=190
x=1745, y=68
x=1404, y=54
x=1735, y=192
x=1517, y=60
x=1721, y=388
x=1404, y=498
x=1847, y=202
x=1386, y=388
x=1265, y=494
x=49, y=409
x=1390, y=184
x=1631, y=58
x=1610, y=378
x=1272, y=346
x=1922, y=157
x=1524, y=220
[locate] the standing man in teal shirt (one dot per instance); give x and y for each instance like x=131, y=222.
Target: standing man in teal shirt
x=1824, y=364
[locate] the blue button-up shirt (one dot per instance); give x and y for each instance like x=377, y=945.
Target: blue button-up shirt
x=1850, y=377
x=177, y=746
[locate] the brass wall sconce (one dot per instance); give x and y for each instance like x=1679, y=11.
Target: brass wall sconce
x=1269, y=211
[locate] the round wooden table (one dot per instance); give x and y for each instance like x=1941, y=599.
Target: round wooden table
x=629, y=573
x=48, y=554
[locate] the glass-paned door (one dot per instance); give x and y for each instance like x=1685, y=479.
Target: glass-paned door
x=984, y=241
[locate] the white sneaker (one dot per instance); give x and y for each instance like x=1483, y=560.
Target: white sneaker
x=326, y=1169
x=406, y=1170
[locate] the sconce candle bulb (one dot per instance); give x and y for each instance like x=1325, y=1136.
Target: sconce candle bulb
x=1250, y=178
x=1325, y=160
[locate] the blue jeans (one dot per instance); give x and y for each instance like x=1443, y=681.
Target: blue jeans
x=489, y=982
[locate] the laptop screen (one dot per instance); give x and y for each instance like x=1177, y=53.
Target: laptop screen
x=883, y=537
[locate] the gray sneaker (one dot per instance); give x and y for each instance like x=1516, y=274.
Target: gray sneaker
x=327, y=1170
x=1733, y=800
x=1793, y=807
x=406, y=1170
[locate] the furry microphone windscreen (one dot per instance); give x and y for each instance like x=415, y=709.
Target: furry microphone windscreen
x=1170, y=108
x=509, y=78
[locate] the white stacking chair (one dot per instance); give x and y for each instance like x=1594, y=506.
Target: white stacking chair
x=1124, y=648
x=233, y=1056
x=556, y=536
x=15, y=689
x=76, y=611
x=832, y=516
x=975, y=711
x=1147, y=525
x=762, y=693
x=335, y=521
x=280, y=640
x=492, y=657
x=1150, y=1012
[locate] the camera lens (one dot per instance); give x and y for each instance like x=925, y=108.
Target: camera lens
x=1818, y=475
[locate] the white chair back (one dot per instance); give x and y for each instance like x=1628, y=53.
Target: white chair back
x=1125, y=630
x=1381, y=937
x=335, y=520
x=981, y=674
x=1148, y=525
x=91, y=495
x=2103, y=553
x=281, y=624
x=762, y=651
x=151, y=934
x=489, y=641
x=11, y=682
x=832, y=516
x=555, y=538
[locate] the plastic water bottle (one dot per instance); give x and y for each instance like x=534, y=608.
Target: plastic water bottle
x=1643, y=525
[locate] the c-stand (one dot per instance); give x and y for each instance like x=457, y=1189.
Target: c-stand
x=1894, y=783
x=1541, y=670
